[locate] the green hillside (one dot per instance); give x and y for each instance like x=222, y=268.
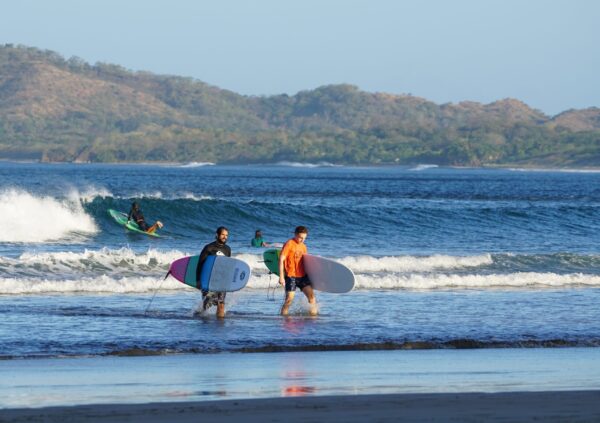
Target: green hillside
x=58, y=109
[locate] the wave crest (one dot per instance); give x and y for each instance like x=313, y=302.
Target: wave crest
x=413, y=263
x=100, y=284
x=122, y=261
x=306, y=165
x=476, y=281
x=124, y=270
x=453, y=281
x=33, y=219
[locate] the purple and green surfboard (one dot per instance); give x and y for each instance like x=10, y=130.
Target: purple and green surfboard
x=219, y=273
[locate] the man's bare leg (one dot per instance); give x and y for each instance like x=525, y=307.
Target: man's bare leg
x=220, y=310
x=154, y=227
x=289, y=297
x=312, y=300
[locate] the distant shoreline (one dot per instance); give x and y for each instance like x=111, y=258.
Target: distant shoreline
x=427, y=166
x=491, y=407
x=70, y=111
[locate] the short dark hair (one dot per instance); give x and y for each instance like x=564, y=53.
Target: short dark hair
x=301, y=230
x=220, y=229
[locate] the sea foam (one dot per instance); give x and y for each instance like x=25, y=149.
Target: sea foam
x=126, y=271
x=437, y=281
x=101, y=284
x=413, y=263
x=30, y=218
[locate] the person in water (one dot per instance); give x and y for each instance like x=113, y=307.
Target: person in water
x=291, y=271
x=215, y=248
x=136, y=215
x=258, y=240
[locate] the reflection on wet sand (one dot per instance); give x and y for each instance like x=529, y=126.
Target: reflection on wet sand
x=298, y=391
x=295, y=379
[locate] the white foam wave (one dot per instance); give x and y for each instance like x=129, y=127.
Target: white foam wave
x=156, y=195
x=423, y=167
x=32, y=218
x=194, y=197
x=369, y=264
x=565, y=170
x=443, y=281
x=309, y=165
x=452, y=281
x=402, y=264
x=413, y=263
x=88, y=194
x=136, y=284
x=100, y=284
x=197, y=164
x=255, y=261
x=104, y=260
x=92, y=263
x=123, y=271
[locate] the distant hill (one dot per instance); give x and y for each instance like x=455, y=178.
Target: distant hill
x=57, y=109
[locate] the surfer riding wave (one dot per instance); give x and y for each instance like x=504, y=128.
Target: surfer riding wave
x=136, y=215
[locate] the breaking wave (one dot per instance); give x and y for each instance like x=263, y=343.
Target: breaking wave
x=123, y=270
x=38, y=218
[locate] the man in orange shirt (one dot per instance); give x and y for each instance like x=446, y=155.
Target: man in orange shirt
x=291, y=271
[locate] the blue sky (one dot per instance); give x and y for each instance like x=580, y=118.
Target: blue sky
x=545, y=53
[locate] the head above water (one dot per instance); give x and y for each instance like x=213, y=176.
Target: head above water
x=222, y=234
x=135, y=205
x=258, y=233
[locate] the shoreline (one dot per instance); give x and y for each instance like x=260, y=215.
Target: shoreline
x=559, y=406
x=409, y=166
x=462, y=344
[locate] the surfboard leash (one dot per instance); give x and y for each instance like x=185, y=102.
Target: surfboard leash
x=271, y=298
x=155, y=291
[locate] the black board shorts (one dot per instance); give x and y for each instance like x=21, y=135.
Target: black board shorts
x=210, y=298
x=292, y=283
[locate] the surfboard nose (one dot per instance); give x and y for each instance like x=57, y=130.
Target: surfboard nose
x=178, y=268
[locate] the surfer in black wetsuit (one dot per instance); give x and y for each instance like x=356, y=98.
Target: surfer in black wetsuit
x=215, y=248
x=136, y=215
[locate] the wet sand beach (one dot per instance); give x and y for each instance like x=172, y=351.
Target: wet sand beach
x=527, y=384
x=572, y=406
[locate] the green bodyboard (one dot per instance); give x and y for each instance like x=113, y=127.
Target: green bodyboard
x=121, y=219
x=271, y=258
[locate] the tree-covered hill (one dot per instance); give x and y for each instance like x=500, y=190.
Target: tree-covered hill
x=58, y=109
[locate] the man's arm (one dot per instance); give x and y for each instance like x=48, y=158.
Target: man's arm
x=282, y=267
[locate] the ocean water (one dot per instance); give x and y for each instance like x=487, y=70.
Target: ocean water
x=444, y=258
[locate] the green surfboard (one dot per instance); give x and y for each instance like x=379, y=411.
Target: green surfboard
x=121, y=219
x=271, y=258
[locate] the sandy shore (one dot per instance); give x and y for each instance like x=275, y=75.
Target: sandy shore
x=570, y=406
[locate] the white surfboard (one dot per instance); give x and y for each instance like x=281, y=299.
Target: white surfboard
x=227, y=274
x=328, y=275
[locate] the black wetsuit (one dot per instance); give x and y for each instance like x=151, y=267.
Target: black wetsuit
x=138, y=218
x=213, y=249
